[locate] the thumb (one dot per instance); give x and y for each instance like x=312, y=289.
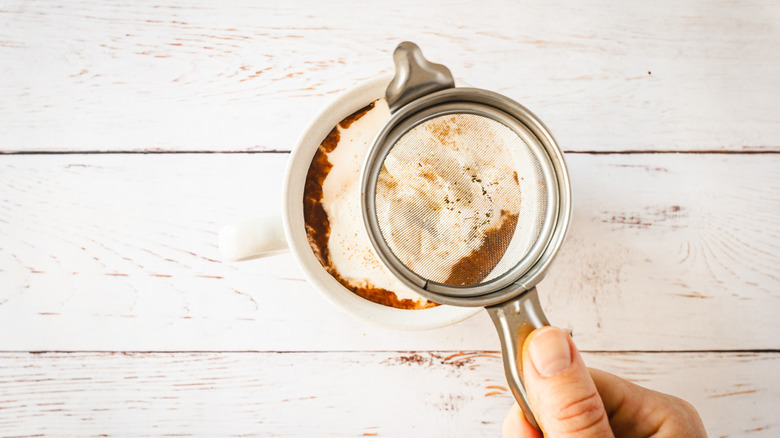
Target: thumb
x=560, y=389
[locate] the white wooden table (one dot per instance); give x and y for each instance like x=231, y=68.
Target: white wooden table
x=131, y=133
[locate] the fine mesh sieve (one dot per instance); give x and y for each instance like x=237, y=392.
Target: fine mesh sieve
x=461, y=198
x=466, y=199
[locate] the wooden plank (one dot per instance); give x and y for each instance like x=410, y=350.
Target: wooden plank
x=243, y=75
x=118, y=252
x=340, y=393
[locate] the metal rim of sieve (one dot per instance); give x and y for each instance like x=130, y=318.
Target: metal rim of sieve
x=530, y=269
x=419, y=91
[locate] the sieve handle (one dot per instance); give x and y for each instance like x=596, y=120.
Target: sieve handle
x=515, y=320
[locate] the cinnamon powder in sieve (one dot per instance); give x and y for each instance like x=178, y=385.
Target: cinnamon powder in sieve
x=475, y=267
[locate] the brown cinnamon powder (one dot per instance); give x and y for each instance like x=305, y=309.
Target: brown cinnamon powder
x=314, y=216
x=473, y=268
x=352, y=118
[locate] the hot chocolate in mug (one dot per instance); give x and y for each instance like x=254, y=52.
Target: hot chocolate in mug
x=463, y=193
x=273, y=235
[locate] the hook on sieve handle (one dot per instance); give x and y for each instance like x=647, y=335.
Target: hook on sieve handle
x=415, y=76
x=515, y=320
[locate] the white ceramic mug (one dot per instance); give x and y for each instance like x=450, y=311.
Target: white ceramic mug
x=273, y=235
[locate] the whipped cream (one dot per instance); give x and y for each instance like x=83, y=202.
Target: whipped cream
x=351, y=252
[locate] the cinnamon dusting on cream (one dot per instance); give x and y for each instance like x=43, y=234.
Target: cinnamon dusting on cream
x=352, y=118
x=318, y=223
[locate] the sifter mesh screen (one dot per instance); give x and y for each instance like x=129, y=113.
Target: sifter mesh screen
x=460, y=199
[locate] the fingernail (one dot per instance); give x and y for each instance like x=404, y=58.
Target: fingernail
x=550, y=351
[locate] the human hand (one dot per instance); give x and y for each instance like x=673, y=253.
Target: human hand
x=572, y=401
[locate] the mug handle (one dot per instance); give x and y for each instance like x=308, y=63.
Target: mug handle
x=515, y=320
x=252, y=239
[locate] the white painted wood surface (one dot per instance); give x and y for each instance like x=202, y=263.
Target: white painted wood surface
x=244, y=75
x=403, y=394
x=669, y=276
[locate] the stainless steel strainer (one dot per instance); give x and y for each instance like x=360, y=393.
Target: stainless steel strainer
x=466, y=199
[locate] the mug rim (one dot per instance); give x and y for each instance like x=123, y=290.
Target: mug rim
x=298, y=164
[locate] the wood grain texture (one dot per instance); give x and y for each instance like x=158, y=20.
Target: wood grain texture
x=118, y=252
x=243, y=75
x=340, y=394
